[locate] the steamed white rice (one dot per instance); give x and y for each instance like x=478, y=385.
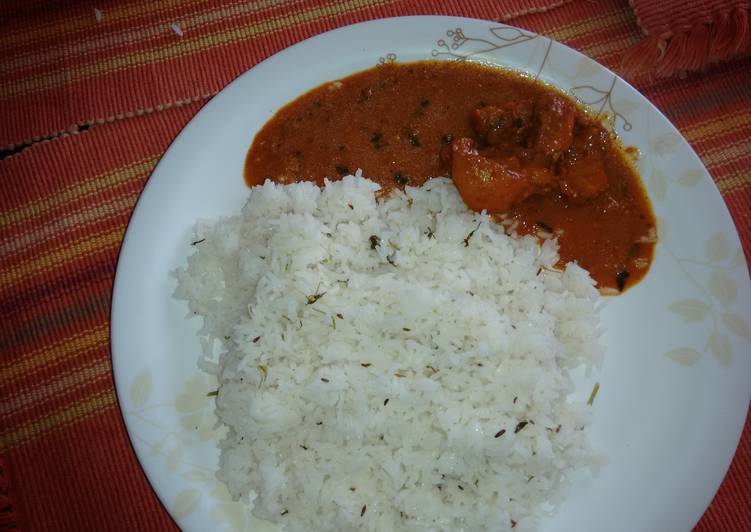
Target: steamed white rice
x=393, y=365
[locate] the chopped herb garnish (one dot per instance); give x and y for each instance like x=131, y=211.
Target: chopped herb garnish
x=364, y=507
x=304, y=448
x=213, y=394
x=376, y=138
x=513, y=523
x=390, y=259
x=350, y=206
x=429, y=233
x=366, y=364
x=447, y=139
x=324, y=379
x=317, y=103
x=539, y=271
x=432, y=369
x=424, y=102
x=341, y=147
x=620, y=279
x=374, y=241
x=197, y=242
x=315, y=297
x=500, y=433
x=460, y=487
x=401, y=179
x=319, y=423
x=520, y=426
x=255, y=340
x=352, y=488
x=515, y=399
x=333, y=322
x=466, y=240
x=364, y=95
x=413, y=140
x=285, y=512
x=592, y=395
x=405, y=329
x=342, y=170
x=400, y=375
x=386, y=402
x=544, y=226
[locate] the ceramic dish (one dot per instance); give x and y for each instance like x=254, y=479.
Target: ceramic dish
x=675, y=382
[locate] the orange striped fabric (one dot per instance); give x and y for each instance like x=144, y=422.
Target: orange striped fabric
x=91, y=95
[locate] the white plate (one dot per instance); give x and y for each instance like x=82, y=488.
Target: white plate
x=677, y=376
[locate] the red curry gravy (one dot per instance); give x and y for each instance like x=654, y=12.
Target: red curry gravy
x=404, y=123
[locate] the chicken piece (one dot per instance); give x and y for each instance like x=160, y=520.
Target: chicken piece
x=584, y=180
x=554, y=122
x=508, y=125
x=494, y=184
x=583, y=173
x=541, y=177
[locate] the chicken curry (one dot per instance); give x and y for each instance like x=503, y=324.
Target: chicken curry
x=514, y=147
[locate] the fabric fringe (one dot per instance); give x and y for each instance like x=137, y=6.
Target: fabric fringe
x=706, y=41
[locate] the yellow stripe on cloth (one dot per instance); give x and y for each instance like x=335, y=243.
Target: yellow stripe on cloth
x=103, y=42
x=81, y=220
x=92, y=186
x=57, y=419
x=581, y=28
x=65, y=381
x=182, y=47
x=729, y=152
x=60, y=257
x=723, y=124
x=736, y=180
x=63, y=29
x=52, y=354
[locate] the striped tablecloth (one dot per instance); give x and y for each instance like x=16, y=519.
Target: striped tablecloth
x=91, y=95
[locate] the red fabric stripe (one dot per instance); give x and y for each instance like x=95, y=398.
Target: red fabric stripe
x=86, y=478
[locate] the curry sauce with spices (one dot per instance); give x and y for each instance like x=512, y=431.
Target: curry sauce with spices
x=515, y=147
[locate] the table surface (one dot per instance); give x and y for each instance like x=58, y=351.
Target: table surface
x=92, y=94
